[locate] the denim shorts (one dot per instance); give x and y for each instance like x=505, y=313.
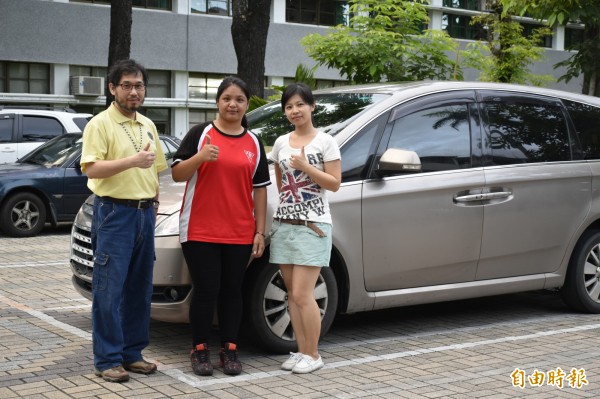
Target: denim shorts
x=299, y=245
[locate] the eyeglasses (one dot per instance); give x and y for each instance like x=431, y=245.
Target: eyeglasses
x=129, y=86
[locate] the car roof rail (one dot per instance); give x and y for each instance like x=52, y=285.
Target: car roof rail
x=38, y=107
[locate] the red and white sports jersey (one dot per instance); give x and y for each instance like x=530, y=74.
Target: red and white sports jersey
x=218, y=205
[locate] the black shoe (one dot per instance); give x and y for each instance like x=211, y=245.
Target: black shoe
x=200, y=357
x=229, y=359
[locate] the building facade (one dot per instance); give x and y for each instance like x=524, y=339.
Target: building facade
x=54, y=52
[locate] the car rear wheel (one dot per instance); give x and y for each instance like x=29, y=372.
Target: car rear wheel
x=266, y=306
x=581, y=290
x=23, y=215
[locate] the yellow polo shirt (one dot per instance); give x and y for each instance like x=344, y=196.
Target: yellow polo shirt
x=111, y=135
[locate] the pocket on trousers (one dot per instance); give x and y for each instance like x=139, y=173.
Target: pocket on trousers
x=100, y=274
x=274, y=228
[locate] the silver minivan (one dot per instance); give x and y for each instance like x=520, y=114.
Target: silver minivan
x=450, y=190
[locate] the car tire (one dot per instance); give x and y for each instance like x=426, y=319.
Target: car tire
x=23, y=215
x=581, y=290
x=266, y=311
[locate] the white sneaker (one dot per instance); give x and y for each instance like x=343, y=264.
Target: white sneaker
x=289, y=364
x=307, y=365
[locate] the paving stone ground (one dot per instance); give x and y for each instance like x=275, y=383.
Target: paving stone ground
x=466, y=349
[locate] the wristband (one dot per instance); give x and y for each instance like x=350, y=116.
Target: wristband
x=258, y=232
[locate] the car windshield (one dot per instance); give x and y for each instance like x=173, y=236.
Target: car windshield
x=334, y=111
x=56, y=152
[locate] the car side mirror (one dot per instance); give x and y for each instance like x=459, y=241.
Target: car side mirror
x=397, y=160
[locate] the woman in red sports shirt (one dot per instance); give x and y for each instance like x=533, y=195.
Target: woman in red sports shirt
x=222, y=219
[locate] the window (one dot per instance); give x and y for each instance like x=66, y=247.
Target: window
x=459, y=27
x=317, y=12
x=3, y=77
x=332, y=113
x=586, y=119
x=82, y=70
x=356, y=152
x=525, y=131
x=219, y=7
x=36, y=128
x=6, y=128
x=573, y=37
x=156, y=4
x=21, y=77
x=464, y=4
x=199, y=116
x=528, y=31
x=161, y=118
x=159, y=83
x=441, y=136
x=204, y=86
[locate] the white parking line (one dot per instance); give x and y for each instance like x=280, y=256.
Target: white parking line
x=33, y=264
x=195, y=382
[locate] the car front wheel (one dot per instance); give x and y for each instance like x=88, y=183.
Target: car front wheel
x=23, y=215
x=266, y=306
x=581, y=290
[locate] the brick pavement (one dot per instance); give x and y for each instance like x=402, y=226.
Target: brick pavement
x=465, y=349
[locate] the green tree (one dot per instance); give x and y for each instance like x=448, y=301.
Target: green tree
x=586, y=60
x=385, y=39
x=119, y=46
x=511, y=52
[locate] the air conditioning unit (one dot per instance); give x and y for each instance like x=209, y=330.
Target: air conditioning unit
x=87, y=86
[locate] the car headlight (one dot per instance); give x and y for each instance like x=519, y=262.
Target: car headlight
x=168, y=226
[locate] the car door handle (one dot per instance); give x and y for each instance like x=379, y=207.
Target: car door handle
x=497, y=195
x=478, y=195
x=469, y=198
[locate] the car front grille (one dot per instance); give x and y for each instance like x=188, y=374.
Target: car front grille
x=82, y=256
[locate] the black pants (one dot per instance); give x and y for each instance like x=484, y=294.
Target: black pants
x=217, y=271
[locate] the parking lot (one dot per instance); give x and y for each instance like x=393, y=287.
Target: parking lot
x=513, y=346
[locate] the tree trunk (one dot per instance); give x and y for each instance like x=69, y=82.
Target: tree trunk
x=591, y=62
x=120, y=36
x=249, y=29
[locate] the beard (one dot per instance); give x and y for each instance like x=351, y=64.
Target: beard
x=128, y=109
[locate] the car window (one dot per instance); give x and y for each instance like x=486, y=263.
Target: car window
x=40, y=128
x=6, y=128
x=441, y=136
x=168, y=149
x=332, y=113
x=81, y=122
x=356, y=152
x=520, y=131
x=586, y=119
x=56, y=152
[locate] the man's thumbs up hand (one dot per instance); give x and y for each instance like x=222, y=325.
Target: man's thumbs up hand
x=145, y=158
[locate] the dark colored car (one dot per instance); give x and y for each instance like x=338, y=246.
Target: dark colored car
x=47, y=185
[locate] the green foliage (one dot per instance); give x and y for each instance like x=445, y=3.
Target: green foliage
x=505, y=55
x=384, y=40
x=256, y=102
x=559, y=12
x=303, y=74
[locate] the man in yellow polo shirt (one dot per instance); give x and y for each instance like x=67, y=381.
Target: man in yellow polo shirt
x=122, y=157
